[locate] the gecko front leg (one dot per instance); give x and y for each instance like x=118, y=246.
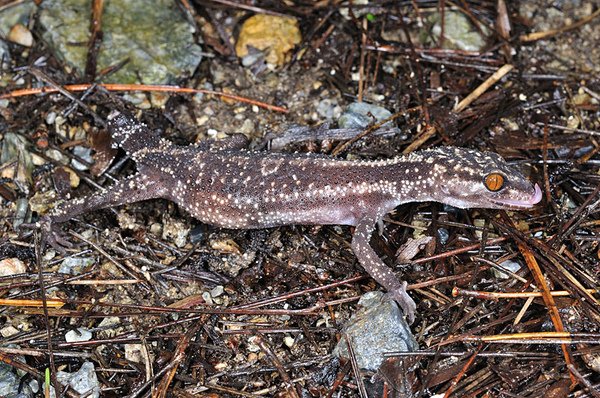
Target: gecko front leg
x=371, y=262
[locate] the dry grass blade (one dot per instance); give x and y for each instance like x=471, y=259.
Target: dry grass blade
x=137, y=87
x=289, y=385
x=468, y=364
x=456, y=292
x=161, y=390
x=32, y=303
x=483, y=87
x=38, y=260
x=547, y=297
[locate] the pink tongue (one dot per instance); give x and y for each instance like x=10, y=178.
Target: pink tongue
x=537, y=196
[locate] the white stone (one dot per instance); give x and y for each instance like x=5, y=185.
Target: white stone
x=21, y=35
x=12, y=266
x=81, y=334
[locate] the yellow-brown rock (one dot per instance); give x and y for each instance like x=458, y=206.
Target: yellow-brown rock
x=277, y=35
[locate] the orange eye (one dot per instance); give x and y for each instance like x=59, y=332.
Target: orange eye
x=494, y=182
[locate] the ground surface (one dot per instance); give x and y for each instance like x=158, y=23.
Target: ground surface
x=177, y=308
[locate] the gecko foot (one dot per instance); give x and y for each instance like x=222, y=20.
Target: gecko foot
x=404, y=301
x=49, y=235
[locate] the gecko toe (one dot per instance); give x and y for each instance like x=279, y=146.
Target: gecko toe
x=58, y=242
x=405, y=302
x=54, y=238
x=49, y=234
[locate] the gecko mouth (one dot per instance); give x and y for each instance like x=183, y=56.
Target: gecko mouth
x=522, y=204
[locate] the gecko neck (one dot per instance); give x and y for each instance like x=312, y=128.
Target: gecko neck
x=415, y=180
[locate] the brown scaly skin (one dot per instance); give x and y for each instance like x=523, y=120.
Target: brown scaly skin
x=232, y=188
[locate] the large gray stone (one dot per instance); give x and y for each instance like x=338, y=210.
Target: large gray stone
x=377, y=327
x=153, y=35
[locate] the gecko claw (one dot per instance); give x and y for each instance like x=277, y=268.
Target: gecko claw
x=405, y=302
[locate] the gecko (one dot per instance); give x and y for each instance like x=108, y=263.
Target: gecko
x=227, y=186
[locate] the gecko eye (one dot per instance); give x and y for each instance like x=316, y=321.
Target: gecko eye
x=494, y=182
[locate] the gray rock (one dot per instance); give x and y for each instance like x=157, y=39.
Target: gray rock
x=133, y=30
x=377, y=327
x=9, y=383
x=4, y=55
x=459, y=33
x=84, y=153
x=361, y=114
x=510, y=265
x=84, y=381
x=75, y=265
x=328, y=109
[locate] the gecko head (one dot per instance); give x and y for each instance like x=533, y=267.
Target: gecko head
x=130, y=134
x=122, y=127
x=468, y=178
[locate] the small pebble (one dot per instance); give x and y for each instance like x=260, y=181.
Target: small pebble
x=22, y=208
x=251, y=58
x=329, y=109
x=201, y=120
x=57, y=156
x=75, y=265
x=207, y=298
x=510, y=265
x=217, y=291
x=176, y=231
x=50, y=118
x=134, y=353
x=8, y=331
x=198, y=234
x=84, y=381
x=84, y=153
x=289, y=341
x=12, y=266
x=4, y=62
x=21, y=35
x=247, y=127
x=361, y=114
x=81, y=334
x=443, y=235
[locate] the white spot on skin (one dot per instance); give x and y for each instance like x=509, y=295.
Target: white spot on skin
x=270, y=166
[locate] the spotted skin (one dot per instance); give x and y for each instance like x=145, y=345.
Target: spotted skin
x=232, y=188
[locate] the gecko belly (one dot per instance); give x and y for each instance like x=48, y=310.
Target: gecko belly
x=254, y=217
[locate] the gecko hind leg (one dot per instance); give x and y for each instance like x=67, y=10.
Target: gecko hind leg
x=377, y=268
